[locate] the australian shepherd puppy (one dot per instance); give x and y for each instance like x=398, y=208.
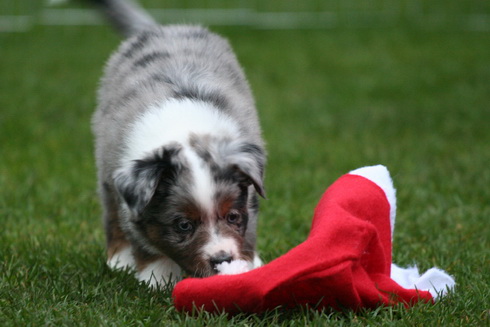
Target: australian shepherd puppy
x=179, y=150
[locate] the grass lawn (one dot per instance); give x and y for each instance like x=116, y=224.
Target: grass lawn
x=417, y=101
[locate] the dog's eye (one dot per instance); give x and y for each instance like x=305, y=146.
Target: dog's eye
x=184, y=226
x=233, y=217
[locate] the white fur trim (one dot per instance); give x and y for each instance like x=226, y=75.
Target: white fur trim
x=232, y=268
x=238, y=266
x=434, y=280
x=257, y=262
x=380, y=175
x=160, y=272
x=122, y=259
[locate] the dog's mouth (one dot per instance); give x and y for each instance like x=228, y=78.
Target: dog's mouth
x=200, y=273
x=199, y=270
x=203, y=269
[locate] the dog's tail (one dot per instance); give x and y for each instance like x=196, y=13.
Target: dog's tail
x=126, y=16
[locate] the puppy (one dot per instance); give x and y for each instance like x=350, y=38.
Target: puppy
x=178, y=148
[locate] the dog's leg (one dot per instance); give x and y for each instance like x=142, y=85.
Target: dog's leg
x=156, y=270
x=119, y=250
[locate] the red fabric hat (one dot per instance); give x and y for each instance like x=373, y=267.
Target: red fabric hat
x=344, y=263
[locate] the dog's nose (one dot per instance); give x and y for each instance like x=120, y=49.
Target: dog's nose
x=220, y=257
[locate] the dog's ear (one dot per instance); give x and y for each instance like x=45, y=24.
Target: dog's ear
x=249, y=160
x=137, y=183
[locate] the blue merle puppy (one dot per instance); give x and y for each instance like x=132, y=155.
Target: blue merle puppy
x=179, y=150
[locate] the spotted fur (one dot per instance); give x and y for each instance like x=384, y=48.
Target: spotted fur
x=178, y=148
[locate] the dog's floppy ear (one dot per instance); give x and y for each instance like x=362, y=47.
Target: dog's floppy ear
x=137, y=182
x=249, y=160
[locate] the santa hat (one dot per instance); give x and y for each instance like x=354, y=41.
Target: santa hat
x=344, y=263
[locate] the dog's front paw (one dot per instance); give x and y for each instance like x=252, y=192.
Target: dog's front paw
x=122, y=260
x=160, y=272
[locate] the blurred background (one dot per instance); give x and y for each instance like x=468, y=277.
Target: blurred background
x=18, y=15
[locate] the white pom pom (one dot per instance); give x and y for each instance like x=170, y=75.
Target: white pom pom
x=434, y=280
x=232, y=268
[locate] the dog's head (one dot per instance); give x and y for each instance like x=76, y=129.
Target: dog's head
x=193, y=203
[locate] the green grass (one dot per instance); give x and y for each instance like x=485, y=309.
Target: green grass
x=330, y=101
